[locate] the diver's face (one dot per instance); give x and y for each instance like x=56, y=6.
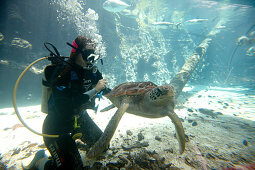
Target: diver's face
x=80, y=61
x=82, y=57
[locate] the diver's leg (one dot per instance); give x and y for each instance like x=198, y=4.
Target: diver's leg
x=64, y=153
x=63, y=149
x=90, y=131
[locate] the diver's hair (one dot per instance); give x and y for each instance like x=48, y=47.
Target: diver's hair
x=82, y=43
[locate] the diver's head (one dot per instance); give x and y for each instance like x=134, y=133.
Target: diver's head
x=83, y=52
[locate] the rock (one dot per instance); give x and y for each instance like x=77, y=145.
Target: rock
x=169, y=150
x=114, y=152
x=31, y=145
x=190, y=110
x=245, y=143
x=129, y=133
x=96, y=165
x=21, y=43
x=208, y=112
x=16, y=151
x=218, y=113
x=229, y=146
x=136, y=145
x=222, y=157
x=186, y=138
x=2, y=165
x=194, y=124
x=209, y=156
x=144, y=144
x=125, y=161
x=140, y=136
x=173, y=167
x=42, y=146
x=100, y=157
x=188, y=161
x=189, y=120
x=158, y=138
x=149, y=160
x=233, y=154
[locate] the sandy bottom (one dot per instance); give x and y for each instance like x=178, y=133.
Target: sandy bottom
x=219, y=125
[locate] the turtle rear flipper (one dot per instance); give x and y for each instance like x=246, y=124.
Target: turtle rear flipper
x=104, y=140
x=179, y=130
x=107, y=108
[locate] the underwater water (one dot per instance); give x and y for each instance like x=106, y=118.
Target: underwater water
x=207, y=46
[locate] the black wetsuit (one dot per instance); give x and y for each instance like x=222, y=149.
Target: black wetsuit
x=67, y=100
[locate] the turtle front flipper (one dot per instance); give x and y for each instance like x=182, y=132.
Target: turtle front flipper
x=107, y=108
x=104, y=140
x=179, y=130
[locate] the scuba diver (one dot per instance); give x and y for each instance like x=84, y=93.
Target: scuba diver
x=74, y=86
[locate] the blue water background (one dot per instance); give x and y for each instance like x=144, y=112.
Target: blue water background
x=43, y=21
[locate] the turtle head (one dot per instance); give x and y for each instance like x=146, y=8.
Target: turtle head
x=162, y=95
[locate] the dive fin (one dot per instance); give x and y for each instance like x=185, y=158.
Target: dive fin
x=39, y=156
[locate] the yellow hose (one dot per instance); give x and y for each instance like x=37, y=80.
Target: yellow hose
x=15, y=104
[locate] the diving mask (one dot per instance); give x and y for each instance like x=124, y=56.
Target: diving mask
x=88, y=55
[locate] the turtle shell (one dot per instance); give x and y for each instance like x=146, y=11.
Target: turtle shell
x=131, y=89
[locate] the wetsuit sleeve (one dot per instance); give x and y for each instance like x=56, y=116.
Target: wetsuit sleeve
x=91, y=93
x=79, y=95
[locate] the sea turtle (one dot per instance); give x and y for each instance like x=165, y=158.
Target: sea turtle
x=144, y=99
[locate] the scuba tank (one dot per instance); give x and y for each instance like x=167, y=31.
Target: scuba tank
x=46, y=93
x=49, y=74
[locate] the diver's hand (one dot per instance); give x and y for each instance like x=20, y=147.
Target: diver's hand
x=101, y=85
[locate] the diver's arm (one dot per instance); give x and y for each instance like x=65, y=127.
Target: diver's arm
x=91, y=93
x=84, y=97
x=101, y=84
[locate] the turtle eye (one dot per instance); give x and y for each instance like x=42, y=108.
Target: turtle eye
x=159, y=90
